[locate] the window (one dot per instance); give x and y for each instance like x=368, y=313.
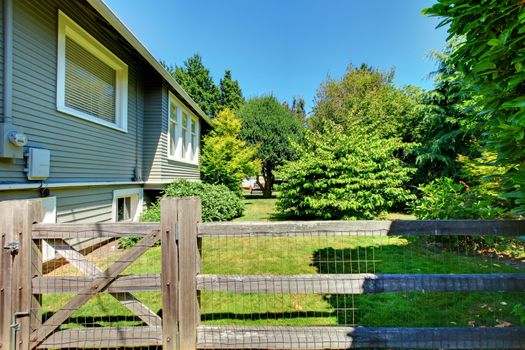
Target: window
x=127, y=204
x=173, y=130
x=92, y=82
x=184, y=133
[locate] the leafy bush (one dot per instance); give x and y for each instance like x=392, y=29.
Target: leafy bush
x=344, y=176
x=445, y=199
x=491, y=60
x=218, y=204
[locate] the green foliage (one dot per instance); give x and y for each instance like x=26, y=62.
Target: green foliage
x=490, y=57
x=226, y=159
x=231, y=93
x=196, y=80
x=446, y=199
x=218, y=202
x=473, y=196
x=344, y=176
x=366, y=98
x=449, y=126
x=272, y=128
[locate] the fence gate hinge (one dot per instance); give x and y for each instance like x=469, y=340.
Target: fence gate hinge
x=13, y=247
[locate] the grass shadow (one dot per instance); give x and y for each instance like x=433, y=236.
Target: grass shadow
x=415, y=309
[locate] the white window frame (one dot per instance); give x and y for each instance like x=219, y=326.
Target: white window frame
x=68, y=28
x=192, y=152
x=137, y=202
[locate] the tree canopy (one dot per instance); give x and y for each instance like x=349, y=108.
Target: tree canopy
x=490, y=57
x=269, y=126
x=367, y=98
x=231, y=94
x=226, y=159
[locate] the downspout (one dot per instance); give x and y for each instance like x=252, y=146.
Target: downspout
x=7, y=117
x=12, y=139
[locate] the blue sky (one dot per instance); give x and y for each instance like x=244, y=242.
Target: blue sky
x=288, y=47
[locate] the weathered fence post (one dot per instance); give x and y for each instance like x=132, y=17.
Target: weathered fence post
x=169, y=272
x=19, y=262
x=189, y=215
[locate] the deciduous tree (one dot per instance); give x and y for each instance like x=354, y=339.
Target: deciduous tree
x=226, y=159
x=272, y=128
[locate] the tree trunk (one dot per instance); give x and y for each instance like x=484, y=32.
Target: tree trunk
x=267, y=173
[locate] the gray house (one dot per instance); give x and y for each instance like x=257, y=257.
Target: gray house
x=90, y=120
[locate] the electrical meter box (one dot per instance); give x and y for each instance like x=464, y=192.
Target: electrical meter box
x=12, y=141
x=38, y=162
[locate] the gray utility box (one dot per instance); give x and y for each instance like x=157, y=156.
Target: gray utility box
x=38, y=163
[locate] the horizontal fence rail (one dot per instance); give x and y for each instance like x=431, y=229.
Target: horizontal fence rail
x=364, y=228
x=69, y=231
x=75, y=284
x=362, y=283
x=104, y=338
x=316, y=338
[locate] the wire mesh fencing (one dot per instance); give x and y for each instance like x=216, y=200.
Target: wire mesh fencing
x=266, y=288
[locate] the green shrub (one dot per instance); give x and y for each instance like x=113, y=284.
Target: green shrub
x=218, y=204
x=444, y=199
x=343, y=176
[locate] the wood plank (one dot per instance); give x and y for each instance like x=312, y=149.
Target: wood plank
x=189, y=215
x=362, y=283
x=87, y=268
x=94, y=287
x=75, y=284
x=6, y=231
x=364, y=228
x=170, y=272
x=33, y=258
x=104, y=338
x=95, y=230
x=313, y=338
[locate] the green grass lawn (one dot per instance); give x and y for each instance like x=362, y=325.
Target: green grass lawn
x=306, y=255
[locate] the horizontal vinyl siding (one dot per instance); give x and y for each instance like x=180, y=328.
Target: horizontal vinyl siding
x=80, y=150
x=1, y=60
x=81, y=204
x=152, y=130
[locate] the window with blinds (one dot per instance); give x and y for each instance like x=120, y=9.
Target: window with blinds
x=91, y=81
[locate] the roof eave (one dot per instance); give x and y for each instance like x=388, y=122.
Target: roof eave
x=121, y=28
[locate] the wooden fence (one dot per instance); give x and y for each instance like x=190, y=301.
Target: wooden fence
x=180, y=281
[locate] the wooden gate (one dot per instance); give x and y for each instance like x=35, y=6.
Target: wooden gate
x=23, y=283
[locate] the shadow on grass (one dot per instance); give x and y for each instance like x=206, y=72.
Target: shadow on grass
x=415, y=309
x=98, y=321
x=264, y=316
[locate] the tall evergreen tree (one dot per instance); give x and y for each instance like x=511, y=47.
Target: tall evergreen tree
x=196, y=79
x=231, y=93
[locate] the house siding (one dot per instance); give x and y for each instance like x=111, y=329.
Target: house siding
x=152, y=131
x=83, y=151
x=77, y=204
x=80, y=150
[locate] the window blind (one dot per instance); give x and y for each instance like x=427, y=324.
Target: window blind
x=90, y=85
